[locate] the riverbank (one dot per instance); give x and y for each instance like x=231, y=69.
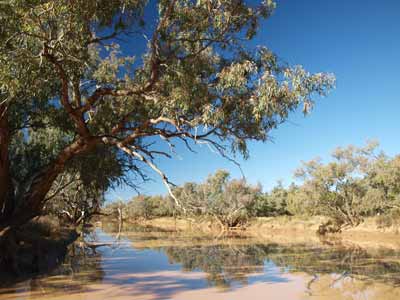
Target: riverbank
x=37, y=248
x=289, y=230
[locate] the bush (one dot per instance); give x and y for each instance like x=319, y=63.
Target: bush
x=229, y=202
x=390, y=219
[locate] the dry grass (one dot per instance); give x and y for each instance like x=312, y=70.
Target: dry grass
x=287, y=229
x=179, y=224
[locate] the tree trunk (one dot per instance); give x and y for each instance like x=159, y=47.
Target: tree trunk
x=33, y=200
x=8, y=245
x=6, y=187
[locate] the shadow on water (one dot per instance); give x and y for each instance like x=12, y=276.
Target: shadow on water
x=29, y=253
x=146, y=261
x=80, y=265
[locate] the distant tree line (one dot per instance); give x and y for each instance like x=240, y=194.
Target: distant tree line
x=357, y=182
x=79, y=114
x=68, y=90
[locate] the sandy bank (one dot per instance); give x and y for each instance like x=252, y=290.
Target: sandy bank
x=292, y=230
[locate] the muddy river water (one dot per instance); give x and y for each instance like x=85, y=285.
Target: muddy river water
x=144, y=263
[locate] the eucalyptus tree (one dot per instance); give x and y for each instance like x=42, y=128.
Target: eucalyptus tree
x=62, y=69
x=75, y=202
x=383, y=179
x=302, y=201
x=278, y=199
x=383, y=195
x=147, y=207
x=338, y=189
x=229, y=202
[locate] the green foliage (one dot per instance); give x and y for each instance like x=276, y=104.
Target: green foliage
x=74, y=200
x=338, y=187
x=114, y=208
x=66, y=87
x=301, y=202
x=230, y=202
x=142, y=208
x=272, y=204
x=147, y=207
x=356, y=183
x=78, y=193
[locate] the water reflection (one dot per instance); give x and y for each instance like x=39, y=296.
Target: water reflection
x=145, y=263
x=231, y=259
x=81, y=265
x=224, y=264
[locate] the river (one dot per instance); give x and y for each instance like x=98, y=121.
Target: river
x=144, y=263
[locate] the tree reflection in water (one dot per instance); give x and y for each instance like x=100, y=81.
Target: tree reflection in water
x=82, y=265
x=232, y=260
x=139, y=266
x=226, y=264
x=223, y=264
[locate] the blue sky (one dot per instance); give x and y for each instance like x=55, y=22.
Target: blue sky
x=359, y=41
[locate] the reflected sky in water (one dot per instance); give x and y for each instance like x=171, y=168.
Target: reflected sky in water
x=148, y=264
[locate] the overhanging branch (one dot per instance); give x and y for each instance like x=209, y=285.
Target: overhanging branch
x=164, y=178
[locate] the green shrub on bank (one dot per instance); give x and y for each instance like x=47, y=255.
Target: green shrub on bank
x=358, y=182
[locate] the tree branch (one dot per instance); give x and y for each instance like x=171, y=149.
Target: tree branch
x=75, y=115
x=164, y=178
